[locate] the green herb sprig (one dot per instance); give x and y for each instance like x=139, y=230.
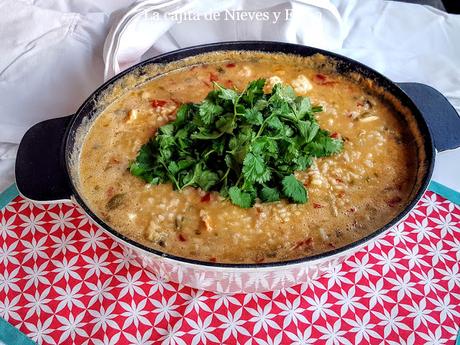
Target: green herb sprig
x=245, y=145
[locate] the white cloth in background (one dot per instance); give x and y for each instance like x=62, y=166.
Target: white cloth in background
x=47, y=68
x=137, y=33
x=52, y=50
x=50, y=60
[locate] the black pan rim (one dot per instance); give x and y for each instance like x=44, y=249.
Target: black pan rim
x=269, y=47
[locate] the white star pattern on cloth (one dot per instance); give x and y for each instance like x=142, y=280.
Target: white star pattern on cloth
x=7, y=226
x=63, y=280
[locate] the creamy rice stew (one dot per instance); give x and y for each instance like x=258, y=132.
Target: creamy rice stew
x=350, y=194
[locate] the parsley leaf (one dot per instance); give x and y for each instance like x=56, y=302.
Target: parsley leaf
x=303, y=107
x=294, y=189
x=268, y=194
x=240, y=198
x=253, y=116
x=207, y=179
x=208, y=110
x=227, y=94
x=254, y=91
x=255, y=169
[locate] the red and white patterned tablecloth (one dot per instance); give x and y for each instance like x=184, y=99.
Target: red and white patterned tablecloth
x=62, y=280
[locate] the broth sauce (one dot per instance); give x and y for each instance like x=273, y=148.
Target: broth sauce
x=350, y=195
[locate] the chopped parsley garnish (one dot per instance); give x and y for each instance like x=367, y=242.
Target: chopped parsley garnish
x=244, y=145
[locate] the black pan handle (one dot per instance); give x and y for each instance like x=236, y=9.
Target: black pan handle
x=40, y=172
x=441, y=116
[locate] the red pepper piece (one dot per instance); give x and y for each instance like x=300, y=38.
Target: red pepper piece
x=394, y=201
x=303, y=243
x=213, y=77
x=176, y=102
x=321, y=79
x=158, y=103
x=258, y=260
x=206, y=197
x=110, y=191
x=182, y=238
x=230, y=65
